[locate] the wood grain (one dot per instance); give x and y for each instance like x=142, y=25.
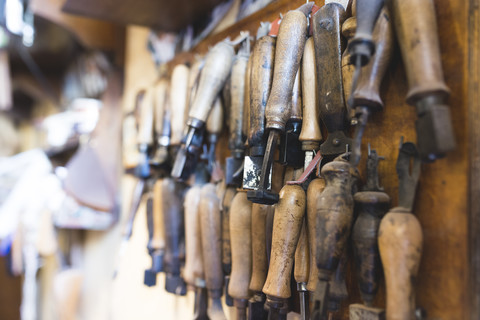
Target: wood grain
x=193, y=241
x=302, y=256
x=178, y=102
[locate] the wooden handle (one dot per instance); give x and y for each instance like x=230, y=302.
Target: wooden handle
x=171, y=197
x=215, y=118
x=260, y=84
x=158, y=235
x=160, y=101
x=241, y=242
x=5, y=81
x=218, y=64
x=416, y=30
x=287, y=223
x=310, y=134
x=400, y=241
x=145, y=128
x=259, y=243
x=246, y=100
x=289, y=50
x=226, y=248
x=193, y=77
x=348, y=31
x=237, y=92
x=367, y=92
x=315, y=189
x=334, y=217
x=302, y=256
x=211, y=240
x=371, y=206
x=193, y=242
x=338, y=287
x=178, y=101
x=296, y=111
x=328, y=52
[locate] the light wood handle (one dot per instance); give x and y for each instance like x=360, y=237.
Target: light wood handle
x=178, y=101
x=160, y=101
x=348, y=31
x=158, y=236
x=315, y=189
x=296, y=111
x=226, y=248
x=215, y=118
x=288, y=53
x=287, y=223
x=328, y=52
x=246, y=99
x=260, y=84
x=416, y=30
x=334, y=217
x=218, y=65
x=193, y=242
x=241, y=242
x=211, y=240
x=259, y=243
x=302, y=256
x=310, y=134
x=145, y=128
x=367, y=92
x=237, y=92
x=5, y=81
x=193, y=77
x=400, y=241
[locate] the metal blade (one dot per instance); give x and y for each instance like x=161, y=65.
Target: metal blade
x=251, y=173
x=408, y=171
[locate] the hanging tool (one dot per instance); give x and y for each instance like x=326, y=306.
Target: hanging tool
x=211, y=244
x=301, y=270
x=160, y=160
x=289, y=49
x=256, y=309
x=178, y=102
x=371, y=204
x=241, y=241
x=214, y=129
x=366, y=97
x=400, y=239
x=194, y=271
x=415, y=22
x=217, y=67
x=337, y=287
x=260, y=83
x=327, y=40
x=236, y=142
x=314, y=191
x=226, y=247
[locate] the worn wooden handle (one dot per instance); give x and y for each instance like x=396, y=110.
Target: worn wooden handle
x=193, y=77
x=367, y=92
x=310, y=134
x=296, y=109
x=370, y=206
x=328, y=52
x=260, y=84
x=259, y=246
x=160, y=101
x=226, y=248
x=241, y=242
x=193, y=242
x=400, y=241
x=338, y=287
x=315, y=189
x=416, y=30
x=145, y=127
x=178, y=101
x=246, y=99
x=218, y=65
x=287, y=223
x=158, y=235
x=215, y=118
x=302, y=256
x=237, y=93
x=334, y=217
x=348, y=31
x=211, y=239
x=288, y=53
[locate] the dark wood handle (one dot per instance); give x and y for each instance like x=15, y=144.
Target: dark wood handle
x=215, y=118
x=260, y=84
x=296, y=109
x=416, y=30
x=193, y=242
x=288, y=52
x=211, y=239
x=334, y=217
x=241, y=242
x=218, y=65
x=367, y=92
x=400, y=241
x=145, y=128
x=226, y=248
x=328, y=52
x=348, y=30
x=370, y=206
x=178, y=101
x=160, y=101
x=237, y=92
x=259, y=243
x=315, y=189
x=287, y=223
x=310, y=134
x=302, y=256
